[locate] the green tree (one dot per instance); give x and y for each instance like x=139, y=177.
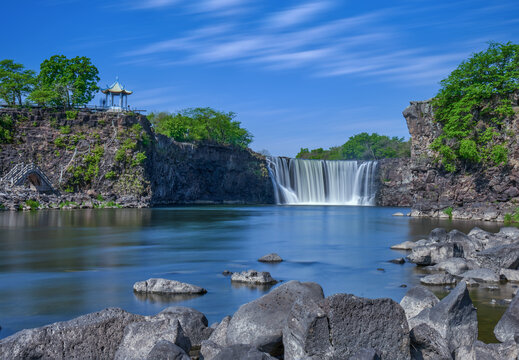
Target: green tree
x=66, y=82
x=473, y=103
x=199, y=124
x=15, y=81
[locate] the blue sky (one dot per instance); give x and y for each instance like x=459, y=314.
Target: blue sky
x=297, y=73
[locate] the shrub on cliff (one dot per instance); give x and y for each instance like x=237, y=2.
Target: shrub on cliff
x=362, y=146
x=473, y=103
x=201, y=124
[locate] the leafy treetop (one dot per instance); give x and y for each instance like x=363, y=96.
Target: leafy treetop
x=362, y=146
x=15, y=81
x=197, y=124
x=473, y=103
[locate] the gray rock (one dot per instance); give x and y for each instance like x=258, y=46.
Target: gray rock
x=481, y=275
x=261, y=322
x=92, y=336
x=140, y=338
x=397, y=261
x=435, y=253
x=253, y=277
x=242, y=352
x=453, y=266
x=306, y=334
x=499, y=257
x=165, y=350
x=427, y=344
x=454, y=317
x=438, y=235
x=406, y=245
x=209, y=350
x=510, y=275
x=438, y=279
x=270, y=258
x=510, y=232
x=506, y=350
x=508, y=325
x=219, y=335
x=365, y=354
x=416, y=300
x=398, y=214
x=193, y=322
x=165, y=286
x=379, y=324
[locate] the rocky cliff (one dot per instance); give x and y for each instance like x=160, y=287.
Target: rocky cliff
x=110, y=159
x=479, y=193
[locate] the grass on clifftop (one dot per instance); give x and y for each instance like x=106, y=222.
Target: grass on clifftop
x=472, y=106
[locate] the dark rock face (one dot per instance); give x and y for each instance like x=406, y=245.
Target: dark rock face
x=92, y=336
x=508, y=325
x=260, y=323
x=394, y=182
x=454, y=318
x=427, y=344
x=171, y=173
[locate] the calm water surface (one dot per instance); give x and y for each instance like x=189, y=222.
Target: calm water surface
x=55, y=265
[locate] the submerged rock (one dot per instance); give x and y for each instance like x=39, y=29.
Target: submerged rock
x=260, y=323
x=253, y=277
x=416, y=300
x=270, y=258
x=165, y=286
x=398, y=261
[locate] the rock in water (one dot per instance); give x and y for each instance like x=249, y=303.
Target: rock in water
x=438, y=279
x=260, y=323
x=406, y=245
x=510, y=275
x=416, y=300
x=508, y=325
x=92, y=336
x=499, y=257
x=398, y=261
x=165, y=350
x=427, y=344
x=270, y=258
x=453, y=266
x=253, y=277
x=398, y=214
x=141, y=337
x=481, y=275
x=454, y=318
x=165, y=286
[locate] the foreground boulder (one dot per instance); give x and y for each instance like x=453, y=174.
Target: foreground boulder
x=454, y=318
x=427, y=344
x=508, y=325
x=270, y=258
x=416, y=300
x=242, y=352
x=260, y=323
x=193, y=322
x=318, y=330
x=253, y=277
x=165, y=350
x=141, y=337
x=92, y=336
x=165, y=286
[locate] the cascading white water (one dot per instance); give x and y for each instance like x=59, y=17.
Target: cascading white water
x=330, y=182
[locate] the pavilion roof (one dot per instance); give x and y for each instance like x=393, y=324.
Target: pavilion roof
x=116, y=88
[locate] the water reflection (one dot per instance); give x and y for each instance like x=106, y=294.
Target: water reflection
x=166, y=299
x=55, y=265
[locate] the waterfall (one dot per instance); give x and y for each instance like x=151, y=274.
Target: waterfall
x=324, y=182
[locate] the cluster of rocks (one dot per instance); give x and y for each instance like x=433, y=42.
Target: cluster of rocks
x=293, y=321
x=480, y=257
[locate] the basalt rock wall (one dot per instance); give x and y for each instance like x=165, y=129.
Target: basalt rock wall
x=106, y=159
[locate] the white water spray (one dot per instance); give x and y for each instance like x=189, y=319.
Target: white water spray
x=318, y=182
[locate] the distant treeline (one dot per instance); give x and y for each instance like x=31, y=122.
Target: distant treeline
x=362, y=146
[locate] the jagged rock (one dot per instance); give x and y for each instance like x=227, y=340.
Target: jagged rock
x=253, y=277
x=434, y=253
x=209, y=350
x=242, y=352
x=510, y=275
x=365, y=354
x=193, y=322
x=508, y=325
x=454, y=317
x=417, y=299
x=306, y=334
x=94, y=336
x=270, y=258
x=219, y=335
x=506, y=350
x=165, y=350
x=481, y=275
x=453, y=266
x=140, y=338
x=406, y=245
x=379, y=324
x=499, y=257
x=438, y=279
x=261, y=322
x=427, y=344
x=165, y=286
x=397, y=261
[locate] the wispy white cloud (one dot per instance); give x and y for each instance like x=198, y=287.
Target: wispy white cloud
x=296, y=15
x=152, y=4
